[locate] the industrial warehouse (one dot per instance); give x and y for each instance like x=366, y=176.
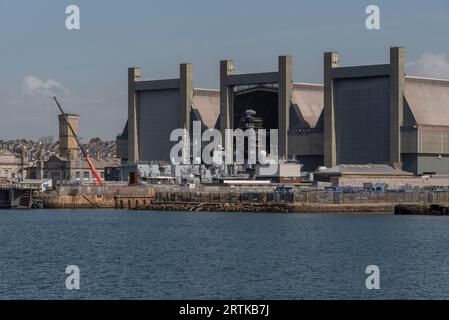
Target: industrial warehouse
x=366, y=128
x=360, y=115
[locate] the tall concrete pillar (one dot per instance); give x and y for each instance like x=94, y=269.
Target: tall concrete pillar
x=284, y=101
x=331, y=60
x=397, y=87
x=186, y=93
x=226, y=97
x=134, y=75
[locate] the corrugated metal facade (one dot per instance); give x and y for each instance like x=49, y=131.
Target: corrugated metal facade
x=362, y=120
x=306, y=142
x=307, y=105
x=428, y=100
x=159, y=115
x=206, y=107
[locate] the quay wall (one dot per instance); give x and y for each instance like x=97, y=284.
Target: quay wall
x=240, y=199
x=97, y=197
x=312, y=197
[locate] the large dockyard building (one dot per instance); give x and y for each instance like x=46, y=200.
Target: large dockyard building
x=364, y=114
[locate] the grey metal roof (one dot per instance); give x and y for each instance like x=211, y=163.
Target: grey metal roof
x=308, y=102
x=81, y=162
x=428, y=100
x=206, y=103
x=366, y=169
x=98, y=163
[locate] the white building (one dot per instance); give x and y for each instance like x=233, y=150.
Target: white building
x=40, y=184
x=9, y=165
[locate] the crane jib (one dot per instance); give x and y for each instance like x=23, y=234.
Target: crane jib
x=83, y=151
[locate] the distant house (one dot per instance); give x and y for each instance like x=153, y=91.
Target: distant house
x=9, y=165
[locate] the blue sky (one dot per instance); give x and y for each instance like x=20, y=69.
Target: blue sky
x=88, y=68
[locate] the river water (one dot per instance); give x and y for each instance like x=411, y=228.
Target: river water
x=176, y=255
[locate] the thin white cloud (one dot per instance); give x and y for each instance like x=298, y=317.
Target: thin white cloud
x=430, y=65
x=33, y=86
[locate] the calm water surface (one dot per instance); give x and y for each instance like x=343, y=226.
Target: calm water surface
x=175, y=255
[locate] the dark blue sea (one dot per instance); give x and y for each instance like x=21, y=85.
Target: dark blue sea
x=175, y=255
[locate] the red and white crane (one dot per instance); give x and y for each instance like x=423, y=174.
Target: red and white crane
x=83, y=150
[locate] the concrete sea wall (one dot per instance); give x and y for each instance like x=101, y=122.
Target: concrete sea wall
x=237, y=200
x=96, y=197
